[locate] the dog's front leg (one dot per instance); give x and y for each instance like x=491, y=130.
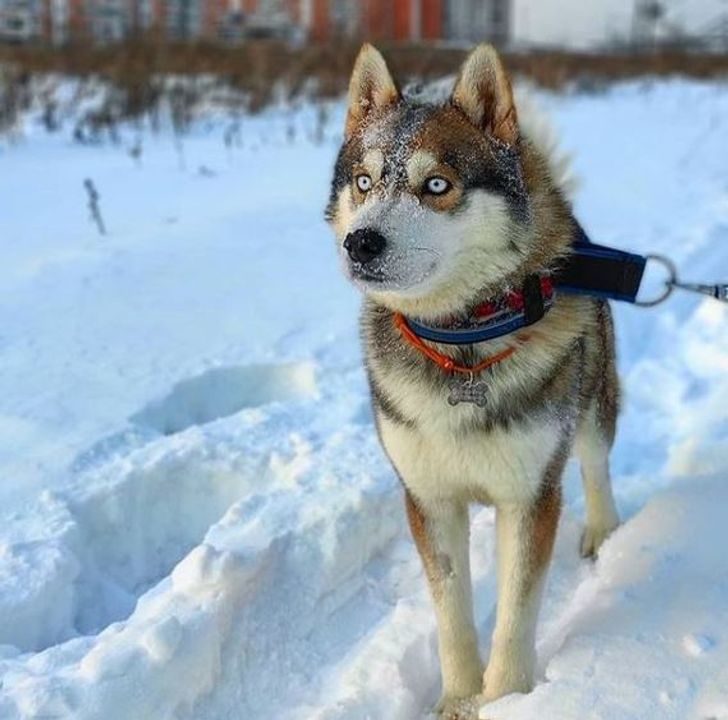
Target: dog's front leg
x=441, y=533
x=525, y=538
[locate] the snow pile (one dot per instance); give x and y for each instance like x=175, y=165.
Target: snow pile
x=197, y=520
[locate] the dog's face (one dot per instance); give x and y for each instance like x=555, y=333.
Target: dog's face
x=428, y=202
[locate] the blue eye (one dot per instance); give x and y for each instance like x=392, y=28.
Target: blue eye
x=437, y=186
x=364, y=183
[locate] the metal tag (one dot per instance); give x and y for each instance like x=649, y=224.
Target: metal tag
x=468, y=389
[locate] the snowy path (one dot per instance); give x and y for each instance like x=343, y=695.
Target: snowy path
x=197, y=521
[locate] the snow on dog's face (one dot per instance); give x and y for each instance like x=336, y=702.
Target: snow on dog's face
x=428, y=202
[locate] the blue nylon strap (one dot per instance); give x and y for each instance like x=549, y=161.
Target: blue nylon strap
x=594, y=270
x=507, y=325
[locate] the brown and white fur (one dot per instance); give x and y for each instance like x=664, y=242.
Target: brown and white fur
x=498, y=217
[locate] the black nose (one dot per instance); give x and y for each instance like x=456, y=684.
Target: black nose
x=364, y=245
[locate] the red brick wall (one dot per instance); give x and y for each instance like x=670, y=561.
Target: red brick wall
x=392, y=19
x=432, y=19
x=379, y=19
x=320, y=28
x=403, y=19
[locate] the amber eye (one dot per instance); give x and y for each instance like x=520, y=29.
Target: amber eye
x=437, y=185
x=364, y=183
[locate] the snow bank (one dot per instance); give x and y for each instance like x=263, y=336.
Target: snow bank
x=197, y=520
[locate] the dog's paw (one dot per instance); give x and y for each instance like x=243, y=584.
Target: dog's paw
x=593, y=537
x=458, y=708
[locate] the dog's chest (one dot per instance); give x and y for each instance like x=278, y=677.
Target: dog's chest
x=500, y=466
x=456, y=452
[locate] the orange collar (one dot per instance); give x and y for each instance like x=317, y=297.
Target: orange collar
x=443, y=361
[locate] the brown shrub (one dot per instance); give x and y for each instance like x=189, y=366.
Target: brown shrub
x=260, y=67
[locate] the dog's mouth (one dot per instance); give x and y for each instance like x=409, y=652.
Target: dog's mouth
x=361, y=273
x=397, y=277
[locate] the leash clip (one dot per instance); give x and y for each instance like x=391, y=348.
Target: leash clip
x=718, y=291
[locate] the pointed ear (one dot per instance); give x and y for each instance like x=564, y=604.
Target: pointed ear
x=371, y=86
x=483, y=93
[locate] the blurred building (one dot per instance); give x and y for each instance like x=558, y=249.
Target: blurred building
x=517, y=23
x=235, y=20
x=617, y=24
x=21, y=20
x=408, y=20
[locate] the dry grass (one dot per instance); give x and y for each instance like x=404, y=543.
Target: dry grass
x=260, y=66
x=261, y=70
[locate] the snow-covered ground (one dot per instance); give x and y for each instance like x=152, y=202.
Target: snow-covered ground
x=196, y=520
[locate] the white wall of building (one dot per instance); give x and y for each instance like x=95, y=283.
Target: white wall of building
x=586, y=23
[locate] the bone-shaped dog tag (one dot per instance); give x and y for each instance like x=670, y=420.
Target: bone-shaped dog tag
x=468, y=389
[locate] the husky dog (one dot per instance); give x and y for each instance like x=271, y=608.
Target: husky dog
x=437, y=208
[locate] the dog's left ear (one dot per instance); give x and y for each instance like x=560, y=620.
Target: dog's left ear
x=371, y=87
x=483, y=93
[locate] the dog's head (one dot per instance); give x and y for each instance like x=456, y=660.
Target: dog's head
x=428, y=202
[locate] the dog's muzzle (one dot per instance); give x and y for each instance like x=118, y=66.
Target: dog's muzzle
x=364, y=245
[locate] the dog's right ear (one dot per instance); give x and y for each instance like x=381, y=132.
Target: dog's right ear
x=483, y=93
x=371, y=87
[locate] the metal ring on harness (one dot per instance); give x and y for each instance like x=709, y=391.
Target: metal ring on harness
x=669, y=283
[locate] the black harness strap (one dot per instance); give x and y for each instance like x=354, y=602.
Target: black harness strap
x=599, y=271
